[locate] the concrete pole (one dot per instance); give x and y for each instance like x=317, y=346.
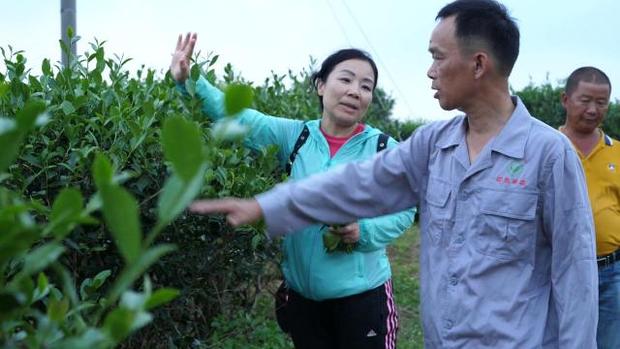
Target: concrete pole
x=67, y=19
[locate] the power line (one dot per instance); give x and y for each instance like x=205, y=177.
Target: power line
x=344, y=32
x=376, y=53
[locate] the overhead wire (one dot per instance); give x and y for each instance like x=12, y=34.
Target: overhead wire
x=337, y=20
x=376, y=54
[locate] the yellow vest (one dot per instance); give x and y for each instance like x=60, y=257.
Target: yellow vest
x=602, y=169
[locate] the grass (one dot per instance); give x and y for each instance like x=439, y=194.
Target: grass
x=404, y=260
x=258, y=329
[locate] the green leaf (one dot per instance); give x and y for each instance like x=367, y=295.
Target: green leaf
x=15, y=241
x=66, y=212
x=46, y=68
x=57, y=309
x=4, y=88
x=256, y=239
x=213, y=60
x=134, y=270
x=237, y=97
x=67, y=107
x=102, y=171
x=10, y=142
x=42, y=256
x=12, y=132
x=160, y=297
x=177, y=195
x=42, y=282
x=89, y=285
x=120, y=211
x=183, y=146
x=195, y=72
x=118, y=324
x=27, y=117
x=101, y=277
x=42, y=288
x=330, y=241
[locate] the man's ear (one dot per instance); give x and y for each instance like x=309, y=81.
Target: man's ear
x=564, y=99
x=482, y=64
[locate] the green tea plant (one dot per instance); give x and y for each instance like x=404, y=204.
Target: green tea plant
x=121, y=154
x=41, y=306
x=141, y=124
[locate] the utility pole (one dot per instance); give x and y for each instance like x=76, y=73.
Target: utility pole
x=67, y=19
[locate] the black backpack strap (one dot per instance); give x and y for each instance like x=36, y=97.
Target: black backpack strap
x=303, y=136
x=382, y=142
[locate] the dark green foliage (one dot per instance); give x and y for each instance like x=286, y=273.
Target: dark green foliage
x=50, y=313
x=611, y=124
x=544, y=103
x=144, y=126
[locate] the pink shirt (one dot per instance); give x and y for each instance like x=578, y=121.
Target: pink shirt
x=335, y=143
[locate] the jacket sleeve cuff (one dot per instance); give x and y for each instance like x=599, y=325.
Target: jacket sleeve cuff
x=275, y=207
x=364, y=235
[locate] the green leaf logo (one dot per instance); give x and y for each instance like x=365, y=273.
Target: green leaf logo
x=515, y=168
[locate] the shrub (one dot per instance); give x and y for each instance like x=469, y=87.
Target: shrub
x=138, y=121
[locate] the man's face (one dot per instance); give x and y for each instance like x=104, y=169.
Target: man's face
x=450, y=72
x=586, y=106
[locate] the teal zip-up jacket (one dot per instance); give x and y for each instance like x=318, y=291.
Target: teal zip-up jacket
x=307, y=268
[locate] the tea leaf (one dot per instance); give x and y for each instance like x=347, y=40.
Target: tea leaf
x=120, y=211
x=237, y=97
x=183, y=146
x=177, y=195
x=160, y=297
x=66, y=212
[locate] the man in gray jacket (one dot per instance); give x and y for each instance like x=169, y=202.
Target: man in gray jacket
x=507, y=241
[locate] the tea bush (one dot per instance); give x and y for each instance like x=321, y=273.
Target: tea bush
x=98, y=107
x=39, y=299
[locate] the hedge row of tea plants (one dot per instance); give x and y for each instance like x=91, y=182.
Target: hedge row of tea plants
x=93, y=201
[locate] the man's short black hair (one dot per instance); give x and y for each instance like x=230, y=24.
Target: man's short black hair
x=586, y=74
x=485, y=21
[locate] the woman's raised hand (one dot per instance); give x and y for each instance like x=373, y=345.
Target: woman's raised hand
x=179, y=67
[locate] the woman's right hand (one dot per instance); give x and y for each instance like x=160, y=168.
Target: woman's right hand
x=179, y=67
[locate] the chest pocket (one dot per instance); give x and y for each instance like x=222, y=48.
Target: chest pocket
x=507, y=226
x=438, y=209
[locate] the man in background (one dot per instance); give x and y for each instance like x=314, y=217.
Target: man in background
x=586, y=100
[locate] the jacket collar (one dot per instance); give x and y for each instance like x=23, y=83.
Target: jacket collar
x=510, y=141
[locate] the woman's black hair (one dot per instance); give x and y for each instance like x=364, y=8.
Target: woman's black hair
x=340, y=56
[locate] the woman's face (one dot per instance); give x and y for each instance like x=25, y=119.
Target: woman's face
x=347, y=92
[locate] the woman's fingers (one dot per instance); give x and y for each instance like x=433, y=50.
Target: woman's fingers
x=349, y=233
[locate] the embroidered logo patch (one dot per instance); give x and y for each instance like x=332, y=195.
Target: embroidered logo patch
x=515, y=168
x=513, y=177
x=611, y=167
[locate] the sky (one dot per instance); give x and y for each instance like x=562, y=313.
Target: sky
x=259, y=37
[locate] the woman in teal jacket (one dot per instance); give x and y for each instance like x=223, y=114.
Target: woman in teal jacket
x=336, y=299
